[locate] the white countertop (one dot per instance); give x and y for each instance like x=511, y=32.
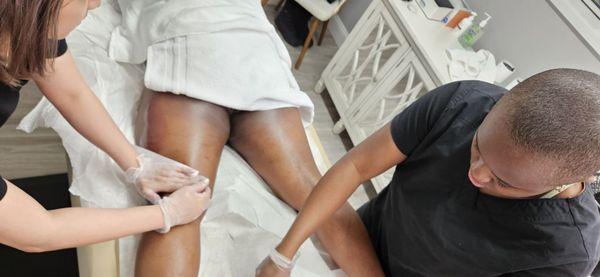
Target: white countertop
x=431, y=38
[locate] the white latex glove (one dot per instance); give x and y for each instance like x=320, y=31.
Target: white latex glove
x=157, y=174
x=184, y=205
x=276, y=265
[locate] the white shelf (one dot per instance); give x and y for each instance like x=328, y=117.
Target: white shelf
x=431, y=38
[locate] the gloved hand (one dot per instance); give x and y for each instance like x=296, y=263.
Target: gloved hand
x=276, y=265
x=157, y=174
x=184, y=205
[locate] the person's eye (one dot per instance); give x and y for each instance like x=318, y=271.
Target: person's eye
x=502, y=184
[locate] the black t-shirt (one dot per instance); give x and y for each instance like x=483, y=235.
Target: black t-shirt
x=9, y=98
x=431, y=221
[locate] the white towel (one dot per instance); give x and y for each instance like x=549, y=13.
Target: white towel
x=146, y=22
x=220, y=51
x=469, y=65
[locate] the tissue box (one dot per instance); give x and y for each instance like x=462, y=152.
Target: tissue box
x=435, y=9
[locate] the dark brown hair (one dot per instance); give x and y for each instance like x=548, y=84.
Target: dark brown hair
x=556, y=114
x=26, y=31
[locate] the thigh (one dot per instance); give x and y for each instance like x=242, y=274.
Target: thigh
x=192, y=132
x=188, y=130
x=274, y=143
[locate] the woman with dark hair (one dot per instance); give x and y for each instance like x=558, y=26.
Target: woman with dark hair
x=32, y=46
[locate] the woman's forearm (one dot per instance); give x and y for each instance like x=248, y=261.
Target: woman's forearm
x=370, y=158
x=71, y=227
x=26, y=225
x=67, y=90
x=89, y=117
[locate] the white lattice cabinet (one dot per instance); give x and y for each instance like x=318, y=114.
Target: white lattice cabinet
x=392, y=56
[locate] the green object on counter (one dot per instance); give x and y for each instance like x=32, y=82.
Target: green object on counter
x=473, y=33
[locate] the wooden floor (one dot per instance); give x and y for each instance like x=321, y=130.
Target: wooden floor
x=41, y=153
x=29, y=155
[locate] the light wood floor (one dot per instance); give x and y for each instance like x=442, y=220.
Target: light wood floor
x=41, y=153
x=29, y=155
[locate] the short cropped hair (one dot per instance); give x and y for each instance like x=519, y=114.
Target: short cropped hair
x=556, y=114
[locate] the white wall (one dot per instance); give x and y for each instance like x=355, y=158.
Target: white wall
x=531, y=35
x=352, y=11
x=528, y=33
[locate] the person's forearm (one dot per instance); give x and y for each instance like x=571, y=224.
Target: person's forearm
x=370, y=158
x=87, y=115
x=332, y=191
x=71, y=227
x=66, y=89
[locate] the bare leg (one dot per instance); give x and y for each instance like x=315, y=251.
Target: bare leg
x=275, y=145
x=192, y=132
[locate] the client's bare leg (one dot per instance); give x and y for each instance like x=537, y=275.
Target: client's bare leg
x=275, y=145
x=192, y=132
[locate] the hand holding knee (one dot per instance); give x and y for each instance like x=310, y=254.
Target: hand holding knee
x=184, y=205
x=157, y=174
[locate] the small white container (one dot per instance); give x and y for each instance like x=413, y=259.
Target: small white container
x=503, y=70
x=432, y=10
x=467, y=22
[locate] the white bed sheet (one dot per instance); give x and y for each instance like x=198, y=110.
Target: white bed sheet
x=245, y=220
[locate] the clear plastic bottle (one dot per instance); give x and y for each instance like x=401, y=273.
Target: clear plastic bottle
x=467, y=22
x=473, y=33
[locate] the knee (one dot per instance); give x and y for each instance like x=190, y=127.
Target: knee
x=298, y=197
x=344, y=218
x=308, y=180
x=177, y=235
x=345, y=213
x=297, y=201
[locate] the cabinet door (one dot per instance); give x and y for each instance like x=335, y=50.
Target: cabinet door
x=407, y=81
x=368, y=53
x=404, y=84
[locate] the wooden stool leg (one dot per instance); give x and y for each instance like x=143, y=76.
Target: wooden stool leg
x=313, y=27
x=323, y=31
x=279, y=5
x=264, y=2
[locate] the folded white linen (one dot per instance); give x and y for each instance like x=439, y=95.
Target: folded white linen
x=220, y=51
x=146, y=22
x=217, y=68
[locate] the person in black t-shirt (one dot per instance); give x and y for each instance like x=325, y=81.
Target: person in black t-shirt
x=32, y=46
x=595, y=186
x=487, y=183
